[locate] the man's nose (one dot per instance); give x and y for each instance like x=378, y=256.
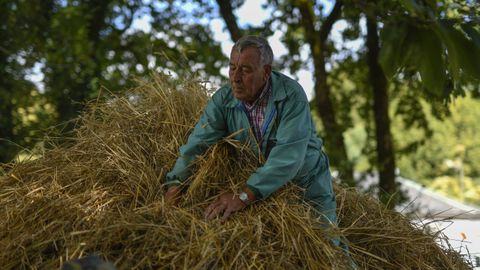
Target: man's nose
x=237, y=75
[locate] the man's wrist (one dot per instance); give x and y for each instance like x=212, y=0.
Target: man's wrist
x=247, y=196
x=255, y=193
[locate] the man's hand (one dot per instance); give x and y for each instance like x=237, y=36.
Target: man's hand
x=172, y=196
x=227, y=204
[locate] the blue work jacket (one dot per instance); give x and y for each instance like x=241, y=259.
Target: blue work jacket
x=290, y=144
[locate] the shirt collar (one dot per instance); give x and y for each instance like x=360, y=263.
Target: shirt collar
x=263, y=95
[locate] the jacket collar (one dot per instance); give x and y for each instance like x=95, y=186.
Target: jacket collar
x=278, y=90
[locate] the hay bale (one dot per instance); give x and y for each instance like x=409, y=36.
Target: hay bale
x=102, y=193
x=383, y=239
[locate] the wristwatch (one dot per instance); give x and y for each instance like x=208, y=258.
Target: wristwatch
x=244, y=197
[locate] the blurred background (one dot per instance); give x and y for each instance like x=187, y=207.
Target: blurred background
x=394, y=85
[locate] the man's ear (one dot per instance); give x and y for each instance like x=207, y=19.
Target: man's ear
x=267, y=71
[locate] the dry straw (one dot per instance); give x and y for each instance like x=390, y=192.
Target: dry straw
x=102, y=193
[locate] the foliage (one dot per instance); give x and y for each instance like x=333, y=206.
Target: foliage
x=93, y=46
x=467, y=191
x=426, y=134
x=455, y=137
x=436, y=40
x=22, y=40
x=84, y=46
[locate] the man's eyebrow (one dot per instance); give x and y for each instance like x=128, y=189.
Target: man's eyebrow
x=241, y=65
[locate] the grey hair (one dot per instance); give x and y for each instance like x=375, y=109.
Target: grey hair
x=266, y=53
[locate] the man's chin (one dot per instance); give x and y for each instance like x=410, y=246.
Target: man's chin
x=238, y=94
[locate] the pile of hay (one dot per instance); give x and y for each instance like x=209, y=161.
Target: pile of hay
x=102, y=193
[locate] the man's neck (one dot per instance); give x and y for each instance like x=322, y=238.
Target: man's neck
x=264, y=89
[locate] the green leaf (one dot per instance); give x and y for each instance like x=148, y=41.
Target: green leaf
x=409, y=48
x=392, y=37
x=430, y=61
x=463, y=53
x=412, y=47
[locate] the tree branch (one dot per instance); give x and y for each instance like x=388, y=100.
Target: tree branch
x=226, y=11
x=331, y=19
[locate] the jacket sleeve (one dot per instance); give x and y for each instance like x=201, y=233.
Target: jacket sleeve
x=288, y=155
x=208, y=130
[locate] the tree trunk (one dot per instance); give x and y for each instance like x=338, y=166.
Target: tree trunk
x=226, y=11
x=7, y=151
x=30, y=37
x=6, y=109
x=335, y=144
x=6, y=106
x=71, y=103
x=385, y=151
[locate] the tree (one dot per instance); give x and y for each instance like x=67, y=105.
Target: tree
x=84, y=45
x=454, y=137
x=226, y=11
x=384, y=140
x=442, y=50
x=73, y=57
x=426, y=43
x=317, y=42
x=92, y=46
x=22, y=40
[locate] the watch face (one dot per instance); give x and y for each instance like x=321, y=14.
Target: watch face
x=243, y=196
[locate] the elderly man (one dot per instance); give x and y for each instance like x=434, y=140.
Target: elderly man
x=271, y=110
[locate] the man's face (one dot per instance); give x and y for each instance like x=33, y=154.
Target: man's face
x=247, y=74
